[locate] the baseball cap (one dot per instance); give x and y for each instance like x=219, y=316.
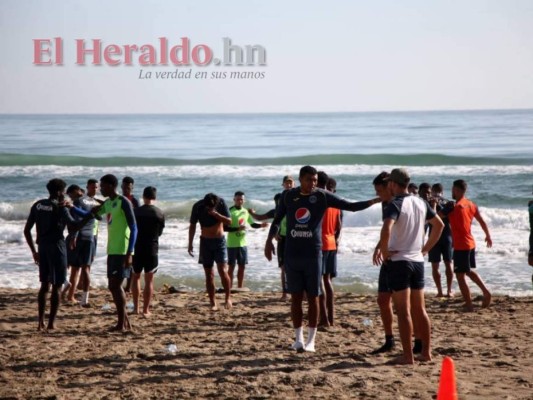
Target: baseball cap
x=399, y=176
x=287, y=178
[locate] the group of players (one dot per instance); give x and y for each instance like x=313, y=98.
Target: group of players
x=306, y=224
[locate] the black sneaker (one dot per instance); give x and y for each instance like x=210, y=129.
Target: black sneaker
x=388, y=346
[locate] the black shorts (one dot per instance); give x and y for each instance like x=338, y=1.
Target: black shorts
x=329, y=263
x=404, y=274
x=72, y=255
x=84, y=252
x=211, y=251
x=237, y=255
x=281, y=251
x=304, y=274
x=115, y=267
x=145, y=262
x=383, y=282
x=53, y=262
x=443, y=248
x=464, y=260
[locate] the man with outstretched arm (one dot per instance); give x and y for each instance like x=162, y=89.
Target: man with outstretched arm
x=212, y=213
x=304, y=207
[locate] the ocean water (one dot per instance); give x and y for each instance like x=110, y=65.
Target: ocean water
x=186, y=156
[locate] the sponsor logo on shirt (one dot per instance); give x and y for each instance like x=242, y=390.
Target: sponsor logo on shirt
x=301, y=234
x=241, y=221
x=42, y=207
x=312, y=199
x=303, y=215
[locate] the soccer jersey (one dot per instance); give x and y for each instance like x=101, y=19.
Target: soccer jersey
x=121, y=225
x=330, y=226
x=460, y=217
x=87, y=231
x=239, y=217
x=304, y=214
x=410, y=214
x=150, y=225
x=50, y=221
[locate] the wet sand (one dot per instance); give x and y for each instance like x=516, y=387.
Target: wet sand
x=244, y=353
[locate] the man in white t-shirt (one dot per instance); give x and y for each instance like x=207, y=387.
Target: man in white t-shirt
x=403, y=248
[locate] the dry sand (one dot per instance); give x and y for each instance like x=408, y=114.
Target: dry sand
x=244, y=353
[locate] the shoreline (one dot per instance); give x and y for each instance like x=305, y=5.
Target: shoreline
x=243, y=353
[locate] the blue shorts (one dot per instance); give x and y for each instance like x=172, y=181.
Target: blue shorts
x=383, y=282
x=115, y=267
x=442, y=248
x=84, y=252
x=404, y=274
x=53, y=262
x=464, y=260
x=304, y=274
x=211, y=251
x=145, y=262
x=237, y=255
x=329, y=263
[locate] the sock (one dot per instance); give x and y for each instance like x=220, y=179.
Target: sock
x=310, y=345
x=299, y=338
x=85, y=298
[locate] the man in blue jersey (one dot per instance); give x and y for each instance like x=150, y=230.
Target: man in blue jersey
x=121, y=237
x=403, y=249
x=50, y=216
x=304, y=208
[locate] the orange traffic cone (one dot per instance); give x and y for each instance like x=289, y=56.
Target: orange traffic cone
x=447, y=386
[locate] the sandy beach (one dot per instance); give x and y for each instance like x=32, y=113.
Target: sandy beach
x=243, y=353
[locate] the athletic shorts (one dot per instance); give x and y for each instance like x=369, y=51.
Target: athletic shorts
x=304, y=274
x=145, y=262
x=464, y=260
x=281, y=251
x=383, y=282
x=53, y=263
x=85, y=252
x=115, y=267
x=72, y=254
x=329, y=263
x=212, y=251
x=443, y=248
x=237, y=255
x=404, y=274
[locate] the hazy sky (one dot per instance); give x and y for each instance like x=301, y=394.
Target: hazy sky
x=321, y=56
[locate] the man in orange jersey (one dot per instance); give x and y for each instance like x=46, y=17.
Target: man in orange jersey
x=460, y=215
x=331, y=229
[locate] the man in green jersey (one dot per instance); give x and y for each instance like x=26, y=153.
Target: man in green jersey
x=237, y=250
x=121, y=237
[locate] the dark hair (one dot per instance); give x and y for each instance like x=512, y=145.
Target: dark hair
x=322, y=179
x=73, y=188
x=437, y=187
x=91, y=181
x=110, y=180
x=308, y=170
x=460, y=184
x=424, y=185
x=56, y=185
x=211, y=200
x=150, y=192
x=238, y=193
x=411, y=186
x=381, y=179
x=128, y=180
x=331, y=184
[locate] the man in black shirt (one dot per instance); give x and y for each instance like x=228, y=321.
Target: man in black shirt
x=50, y=217
x=304, y=208
x=150, y=225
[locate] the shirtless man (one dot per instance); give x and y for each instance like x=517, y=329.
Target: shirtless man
x=212, y=213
